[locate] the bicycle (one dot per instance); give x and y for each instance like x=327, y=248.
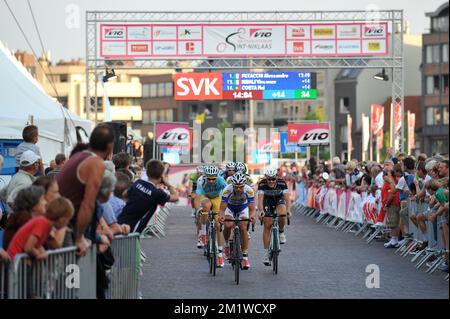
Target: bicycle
x=211, y=244
x=236, y=256
x=274, y=245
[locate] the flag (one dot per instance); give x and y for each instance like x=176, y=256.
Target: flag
x=397, y=117
x=377, y=118
x=349, y=136
x=365, y=133
x=411, y=129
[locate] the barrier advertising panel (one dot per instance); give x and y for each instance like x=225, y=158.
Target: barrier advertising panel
x=309, y=134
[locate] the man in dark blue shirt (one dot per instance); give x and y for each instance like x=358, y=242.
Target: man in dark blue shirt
x=144, y=197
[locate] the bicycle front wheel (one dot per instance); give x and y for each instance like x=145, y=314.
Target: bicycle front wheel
x=275, y=252
x=213, y=253
x=237, y=256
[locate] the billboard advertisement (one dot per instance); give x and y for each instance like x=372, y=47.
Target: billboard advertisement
x=245, y=86
x=286, y=147
x=309, y=134
x=242, y=40
x=173, y=134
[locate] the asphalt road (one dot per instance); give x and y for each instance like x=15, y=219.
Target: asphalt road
x=316, y=262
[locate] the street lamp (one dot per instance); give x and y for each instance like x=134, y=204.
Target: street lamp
x=109, y=76
x=381, y=76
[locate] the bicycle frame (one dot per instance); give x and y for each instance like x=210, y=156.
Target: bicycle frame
x=236, y=256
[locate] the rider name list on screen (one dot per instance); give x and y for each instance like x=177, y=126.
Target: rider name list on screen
x=269, y=85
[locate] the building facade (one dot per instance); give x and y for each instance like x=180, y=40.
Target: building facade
x=435, y=83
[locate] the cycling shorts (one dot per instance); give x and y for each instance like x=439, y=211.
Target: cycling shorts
x=215, y=204
x=243, y=214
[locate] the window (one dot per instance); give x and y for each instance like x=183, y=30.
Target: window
x=444, y=85
x=193, y=111
x=432, y=85
x=344, y=104
x=168, y=89
x=153, y=89
x=64, y=78
x=260, y=109
x=434, y=115
x=433, y=53
x=222, y=110
x=161, y=89
x=145, y=90
x=445, y=52
x=343, y=134
x=445, y=116
x=439, y=146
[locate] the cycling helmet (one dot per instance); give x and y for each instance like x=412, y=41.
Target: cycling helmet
x=230, y=165
x=238, y=179
x=200, y=169
x=271, y=172
x=240, y=167
x=211, y=170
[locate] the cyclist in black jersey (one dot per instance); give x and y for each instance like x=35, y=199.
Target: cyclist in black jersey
x=273, y=194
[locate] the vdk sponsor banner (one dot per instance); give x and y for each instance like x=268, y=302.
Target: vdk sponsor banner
x=175, y=134
x=309, y=134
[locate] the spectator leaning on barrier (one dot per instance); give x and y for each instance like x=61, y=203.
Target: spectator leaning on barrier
x=29, y=166
x=30, y=202
x=60, y=160
x=30, y=136
x=122, y=162
x=406, y=187
x=118, y=200
x=32, y=236
x=81, y=179
x=145, y=196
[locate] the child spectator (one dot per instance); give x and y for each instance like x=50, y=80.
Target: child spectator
x=118, y=200
x=30, y=202
x=32, y=236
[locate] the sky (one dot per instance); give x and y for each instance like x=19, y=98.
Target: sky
x=62, y=22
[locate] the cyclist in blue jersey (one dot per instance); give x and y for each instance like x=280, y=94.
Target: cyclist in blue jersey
x=208, y=196
x=238, y=202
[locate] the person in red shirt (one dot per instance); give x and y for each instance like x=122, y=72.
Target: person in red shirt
x=391, y=204
x=32, y=236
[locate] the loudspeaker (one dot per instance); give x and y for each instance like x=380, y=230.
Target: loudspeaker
x=120, y=136
x=148, y=150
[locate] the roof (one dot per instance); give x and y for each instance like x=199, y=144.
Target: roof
x=438, y=11
x=348, y=74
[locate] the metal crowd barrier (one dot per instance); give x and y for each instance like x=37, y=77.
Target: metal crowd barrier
x=42, y=279
x=124, y=274
x=432, y=256
x=56, y=278
x=157, y=223
x=4, y=266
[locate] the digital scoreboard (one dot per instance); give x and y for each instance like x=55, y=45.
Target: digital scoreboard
x=269, y=86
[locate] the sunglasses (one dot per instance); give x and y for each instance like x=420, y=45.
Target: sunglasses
x=271, y=179
x=211, y=178
x=239, y=186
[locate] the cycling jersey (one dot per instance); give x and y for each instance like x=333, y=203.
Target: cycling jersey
x=238, y=202
x=249, y=181
x=278, y=191
x=210, y=191
x=193, y=179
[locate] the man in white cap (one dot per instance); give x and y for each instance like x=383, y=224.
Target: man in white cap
x=29, y=166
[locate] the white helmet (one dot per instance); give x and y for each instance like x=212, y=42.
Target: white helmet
x=211, y=170
x=230, y=165
x=240, y=167
x=271, y=172
x=238, y=179
x=200, y=168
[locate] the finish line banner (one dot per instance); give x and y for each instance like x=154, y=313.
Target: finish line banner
x=309, y=134
x=140, y=41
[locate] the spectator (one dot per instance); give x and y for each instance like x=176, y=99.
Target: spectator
x=443, y=169
x=50, y=186
x=32, y=236
x=29, y=166
x=338, y=168
x=122, y=162
x=60, y=160
x=144, y=197
x=377, y=176
x=80, y=182
x=422, y=157
x=118, y=200
x=406, y=187
x=30, y=135
x=79, y=147
x=391, y=203
x=29, y=202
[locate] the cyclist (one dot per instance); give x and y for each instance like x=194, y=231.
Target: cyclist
x=242, y=168
x=273, y=194
x=208, y=197
x=238, y=202
x=193, y=178
x=230, y=169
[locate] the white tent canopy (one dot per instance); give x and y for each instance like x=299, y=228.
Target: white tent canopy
x=22, y=97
